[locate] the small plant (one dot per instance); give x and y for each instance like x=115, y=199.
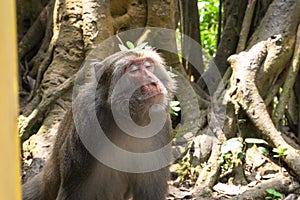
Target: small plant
x=186, y=171
x=273, y=194
x=257, y=141
x=231, y=153
x=129, y=45
x=175, y=108
x=209, y=16
x=21, y=120
x=226, y=161
x=280, y=152
x=183, y=170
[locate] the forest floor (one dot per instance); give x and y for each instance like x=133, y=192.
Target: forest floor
x=259, y=171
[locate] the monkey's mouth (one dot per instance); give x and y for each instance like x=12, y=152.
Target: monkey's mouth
x=154, y=98
x=150, y=94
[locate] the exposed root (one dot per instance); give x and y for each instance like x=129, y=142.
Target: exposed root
x=26, y=125
x=243, y=93
x=289, y=83
x=283, y=184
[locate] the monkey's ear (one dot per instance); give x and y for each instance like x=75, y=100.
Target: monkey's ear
x=97, y=65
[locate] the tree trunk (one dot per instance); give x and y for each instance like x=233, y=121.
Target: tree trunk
x=256, y=62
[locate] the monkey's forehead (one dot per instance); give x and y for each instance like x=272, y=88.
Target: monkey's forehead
x=150, y=53
x=132, y=55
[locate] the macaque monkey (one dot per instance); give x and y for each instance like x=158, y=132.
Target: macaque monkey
x=134, y=81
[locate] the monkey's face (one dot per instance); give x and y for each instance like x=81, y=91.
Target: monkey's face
x=140, y=72
x=141, y=79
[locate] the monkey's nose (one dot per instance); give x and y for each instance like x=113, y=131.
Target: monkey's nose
x=153, y=83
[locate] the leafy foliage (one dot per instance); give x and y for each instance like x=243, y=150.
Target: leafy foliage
x=256, y=141
x=209, y=16
x=129, y=45
x=231, y=153
x=175, y=107
x=280, y=152
x=185, y=171
x=273, y=194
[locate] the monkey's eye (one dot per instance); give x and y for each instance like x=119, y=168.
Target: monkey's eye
x=147, y=64
x=133, y=68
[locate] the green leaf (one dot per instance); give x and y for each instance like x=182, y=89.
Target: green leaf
x=275, y=150
x=232, y=144
x=174, y=113
x=274, y=193
x=21, y=119
x=263, y=150
x=242, y=121
x=255, y=141
x=174, y=103
x=176, y=109
x=172, y=75
x=227, y=156
x=240, y=155
x=281, y=151
x=221, y=160
x=130, y=45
